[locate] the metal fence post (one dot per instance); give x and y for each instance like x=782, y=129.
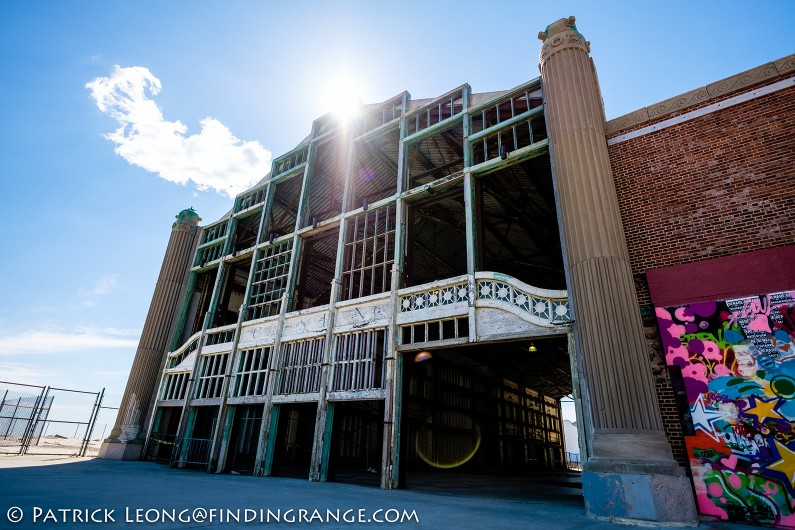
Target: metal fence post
x=13, y=418
x=92, y=418
x=31, y=427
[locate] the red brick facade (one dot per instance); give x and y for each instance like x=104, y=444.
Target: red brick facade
x=717, y=185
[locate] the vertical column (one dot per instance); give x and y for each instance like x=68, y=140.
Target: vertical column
x=471, y=217
x=128, y=435
x=630, y=472
x=324, y=419
x=393, y=371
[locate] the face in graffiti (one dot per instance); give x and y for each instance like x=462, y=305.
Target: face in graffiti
x=745, y=355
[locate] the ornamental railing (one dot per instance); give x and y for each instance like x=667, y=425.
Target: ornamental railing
x=437, y=294
x=545, y=307
x=179, y=355
x=442, y=307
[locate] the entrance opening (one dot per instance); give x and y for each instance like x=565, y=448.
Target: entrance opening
x=293, y=454
x=196, y=446
x=160, y=447
x=357, y=441
x=488, y=410
x=243, y=439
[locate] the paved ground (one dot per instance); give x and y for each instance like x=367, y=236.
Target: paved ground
x=67, y=492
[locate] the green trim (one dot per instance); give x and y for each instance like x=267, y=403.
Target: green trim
x=520, y=155
x=519, y=118
x=179, y=325
x=270, y=446
x=327, y=438
x=435, y=128
x=397, y=419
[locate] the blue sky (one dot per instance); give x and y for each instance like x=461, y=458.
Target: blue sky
x=84, y=229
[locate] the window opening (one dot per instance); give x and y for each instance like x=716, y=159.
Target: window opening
x=369, y=253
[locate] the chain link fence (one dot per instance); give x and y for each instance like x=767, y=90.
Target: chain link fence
x=47, y=420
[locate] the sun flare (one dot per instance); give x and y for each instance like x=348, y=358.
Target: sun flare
x=342, y=98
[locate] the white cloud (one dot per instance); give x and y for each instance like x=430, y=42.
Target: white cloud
x=25, y=373
x=104, y=285
x=212, y=159
x=107, y=330
x=49, y=340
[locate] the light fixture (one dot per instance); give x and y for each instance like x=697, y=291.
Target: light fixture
x=532, y=348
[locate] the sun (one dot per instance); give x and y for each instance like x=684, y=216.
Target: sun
x=342, y=98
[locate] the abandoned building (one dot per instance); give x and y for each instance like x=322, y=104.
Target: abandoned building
x=414, y=291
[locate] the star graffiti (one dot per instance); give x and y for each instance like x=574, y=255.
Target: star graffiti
x=785, y=463
x=764, y=410
x=703, y=418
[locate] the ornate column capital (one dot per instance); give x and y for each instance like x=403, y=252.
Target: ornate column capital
x=186, y=220
x=561, y=35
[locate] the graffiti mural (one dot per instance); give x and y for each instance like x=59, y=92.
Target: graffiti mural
x=737, y=359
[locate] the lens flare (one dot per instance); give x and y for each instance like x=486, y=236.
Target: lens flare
x=447, y=440
x=422, y=356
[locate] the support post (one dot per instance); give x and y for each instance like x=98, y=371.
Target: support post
x=217, y=458
x=321, y=440
x=325, y=449
x=263, y=464
x=393, y=381
x=630, y=474
x=185, y=428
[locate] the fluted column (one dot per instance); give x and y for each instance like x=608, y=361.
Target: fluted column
x=630, y=471
x=127, y=437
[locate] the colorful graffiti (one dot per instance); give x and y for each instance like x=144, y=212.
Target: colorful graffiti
x=737, y=359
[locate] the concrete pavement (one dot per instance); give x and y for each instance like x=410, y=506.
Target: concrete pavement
x=71, y=493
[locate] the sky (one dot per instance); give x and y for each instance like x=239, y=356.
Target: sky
x=117, y=115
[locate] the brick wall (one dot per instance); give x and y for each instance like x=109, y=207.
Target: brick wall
x=718, y=185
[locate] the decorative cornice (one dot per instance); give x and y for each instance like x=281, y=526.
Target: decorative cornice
x=626, y=121
x=748, y=95
x=785, y=65
x=755, y=76
x=688, y=99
